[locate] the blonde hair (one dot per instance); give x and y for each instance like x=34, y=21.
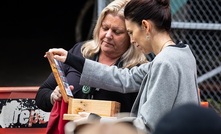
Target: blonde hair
x=132, y=56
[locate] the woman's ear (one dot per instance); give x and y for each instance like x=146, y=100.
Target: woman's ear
x=146, y=25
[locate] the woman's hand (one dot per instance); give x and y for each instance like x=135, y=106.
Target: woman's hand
x=59, y=54
x=56, y=95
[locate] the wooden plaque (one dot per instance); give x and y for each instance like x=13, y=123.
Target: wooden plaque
x=60, y=77
x=100, y=107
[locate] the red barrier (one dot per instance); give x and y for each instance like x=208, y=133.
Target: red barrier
x=18, y=92
x=22, y=130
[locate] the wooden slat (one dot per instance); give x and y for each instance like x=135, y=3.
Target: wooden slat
x=77, y=116
x=71, y=116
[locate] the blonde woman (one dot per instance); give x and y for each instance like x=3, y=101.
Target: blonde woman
x=110, y=46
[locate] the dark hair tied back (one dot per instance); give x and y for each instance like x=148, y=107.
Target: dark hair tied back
x=165, y=3
x=157, y=11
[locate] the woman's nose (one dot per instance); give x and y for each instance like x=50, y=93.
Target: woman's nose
x=132, y=40
x=109, y=34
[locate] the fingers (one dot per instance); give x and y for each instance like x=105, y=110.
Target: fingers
x=45, y=56
x=56, y=95
x=58, y=51
x=71, y=87
x=60, y=58
x=59, y=54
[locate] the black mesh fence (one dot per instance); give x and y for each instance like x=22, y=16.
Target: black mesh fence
x=198, y=23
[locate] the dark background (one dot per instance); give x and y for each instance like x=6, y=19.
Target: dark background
x=28, y=29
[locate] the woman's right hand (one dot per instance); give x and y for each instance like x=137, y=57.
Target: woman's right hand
x=59, y=54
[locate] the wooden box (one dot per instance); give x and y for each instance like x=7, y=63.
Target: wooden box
x=100, y=107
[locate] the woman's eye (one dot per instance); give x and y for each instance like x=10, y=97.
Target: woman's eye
x=105, y=28
x=117, y=32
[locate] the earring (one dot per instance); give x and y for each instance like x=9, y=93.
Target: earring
x=148, y=37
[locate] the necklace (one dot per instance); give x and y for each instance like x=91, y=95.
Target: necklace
x=164, y=45
x=112, y=63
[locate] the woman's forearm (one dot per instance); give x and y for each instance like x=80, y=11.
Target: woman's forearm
x=75, y=61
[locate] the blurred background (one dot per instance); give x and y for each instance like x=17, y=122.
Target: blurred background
x=29, y=28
